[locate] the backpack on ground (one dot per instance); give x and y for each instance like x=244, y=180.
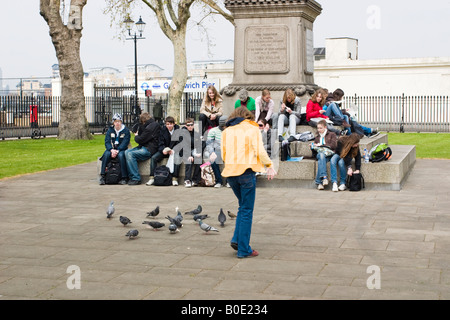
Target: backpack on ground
x=207, y=175
x=285, y=151
x=162, y=176
x=355, y=182
x=380, y=152
x=112, y=172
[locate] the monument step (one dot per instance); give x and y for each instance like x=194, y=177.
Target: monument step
x=386, y=175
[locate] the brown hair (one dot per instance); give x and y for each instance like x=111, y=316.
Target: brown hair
x=323, y=122
x=242, y=112
x=265, y=92
x=289, y=93
x=170, y=119
x=347, y=145
x=216, y=94
x=316, y=93
x=189, y=120
x=144, y=117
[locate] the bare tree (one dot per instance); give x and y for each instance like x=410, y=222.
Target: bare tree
x=172, y=17
x=66, y=40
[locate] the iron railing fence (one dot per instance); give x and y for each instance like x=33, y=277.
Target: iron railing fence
x=402, y=113
x=20, y=114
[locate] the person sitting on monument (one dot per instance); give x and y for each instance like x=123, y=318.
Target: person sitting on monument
x=211, y=109
x=315, y=112
x=290, y=114
x=245, y=100
x=264, y=107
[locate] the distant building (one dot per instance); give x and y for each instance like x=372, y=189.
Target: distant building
x=105, y=76
x=144, y=71
x=342, y=68
x=213, y=69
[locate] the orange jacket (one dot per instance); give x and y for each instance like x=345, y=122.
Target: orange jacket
x=242, y=148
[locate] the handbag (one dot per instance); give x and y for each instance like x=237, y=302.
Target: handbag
x=355, y=182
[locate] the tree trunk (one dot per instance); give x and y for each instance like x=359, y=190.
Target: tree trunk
x=179, y=78
x=66, y=40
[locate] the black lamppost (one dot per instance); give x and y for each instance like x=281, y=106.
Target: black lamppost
x=140, y=26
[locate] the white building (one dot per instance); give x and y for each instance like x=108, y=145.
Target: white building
x=341, y=68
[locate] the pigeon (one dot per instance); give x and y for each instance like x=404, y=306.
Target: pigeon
x=179, y=217
x=174, y=221
x=173, y=228
x=154, y=224
x=195, y=211
x=132, y=234
x=124, y=220
x=205, y=227
x=231, y=215
x=110, y=210
x=200, y=216
x=222, y=218
x=153, y=213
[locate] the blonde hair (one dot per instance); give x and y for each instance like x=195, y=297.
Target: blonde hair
x=216, y=94
x=289, y=93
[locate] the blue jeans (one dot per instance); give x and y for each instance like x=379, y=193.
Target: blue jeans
x=244, y=187
x=335, y=162
x=334, y=110
x=123, y=162
x=133, y=156
x=322, y=167
x=217, y=174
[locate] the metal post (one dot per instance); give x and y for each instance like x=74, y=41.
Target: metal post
x=135, y=75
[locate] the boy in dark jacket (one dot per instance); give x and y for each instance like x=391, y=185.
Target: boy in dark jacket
x=147, y=137
x=167, y=141
x=191, y=150
x=117, y=139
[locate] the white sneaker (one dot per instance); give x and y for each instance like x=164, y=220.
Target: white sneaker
x=325, y=182
x=217, y=185
x=335, y=187
x=320, y=187
x=174, y=182
x=150, y=182
x=228, y=185
x=187, y=184
x=342, y=187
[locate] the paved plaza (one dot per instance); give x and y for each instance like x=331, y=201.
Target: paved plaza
x=312, y=244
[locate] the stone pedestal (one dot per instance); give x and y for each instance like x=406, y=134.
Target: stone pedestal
x=274, y=48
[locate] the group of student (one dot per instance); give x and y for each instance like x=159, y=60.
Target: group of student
x=156, y=142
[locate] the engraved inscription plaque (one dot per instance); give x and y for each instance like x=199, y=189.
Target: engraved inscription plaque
x=266, y=49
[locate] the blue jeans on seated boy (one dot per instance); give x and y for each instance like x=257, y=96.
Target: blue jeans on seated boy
x=122, y=160
x=336, y=162
x=244, y=187
x=321, y=166
x=133, y=156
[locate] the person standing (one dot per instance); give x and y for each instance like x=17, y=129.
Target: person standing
x=243, y=154
x=147, y=138
x=117, y=139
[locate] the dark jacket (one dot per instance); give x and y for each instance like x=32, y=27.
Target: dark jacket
x=190, y=140
x=330, y=140
x=348, y=158
x=166, y=140
x=123, y=139
x=148, y=135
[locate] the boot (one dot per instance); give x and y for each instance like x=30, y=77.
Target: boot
x=345, y=124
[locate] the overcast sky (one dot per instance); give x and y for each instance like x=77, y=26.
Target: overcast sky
x=385, y=29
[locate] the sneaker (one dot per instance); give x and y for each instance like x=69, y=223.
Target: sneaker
x=342, y=187
x=335, y=187
x=134, y=182
x=174, y=182
x=187, y=184
x=194, y=184
x=291, y=139
x=102, y=180
x=325, y=181
x=150, y=182
x=373, y=135
x=280, y=138
x=320, y=187
x=228, y=185
x=344, y=132
x=234, y=245
x=123, y=181
x=218, y=185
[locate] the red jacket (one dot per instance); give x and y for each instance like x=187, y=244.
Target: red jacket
x=312, y=111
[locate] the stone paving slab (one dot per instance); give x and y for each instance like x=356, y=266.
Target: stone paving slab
x=313, y=244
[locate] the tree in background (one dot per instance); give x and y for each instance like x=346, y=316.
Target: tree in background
x=172, y=17
x=66, y=40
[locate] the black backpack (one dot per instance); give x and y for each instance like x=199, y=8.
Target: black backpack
x=285, y=151
x=112, y=172
x=162, y=176
x=355, y=182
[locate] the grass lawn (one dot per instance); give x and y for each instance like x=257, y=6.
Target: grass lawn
x=28, y=155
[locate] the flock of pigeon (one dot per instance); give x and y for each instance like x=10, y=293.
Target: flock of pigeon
x=175, y=222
